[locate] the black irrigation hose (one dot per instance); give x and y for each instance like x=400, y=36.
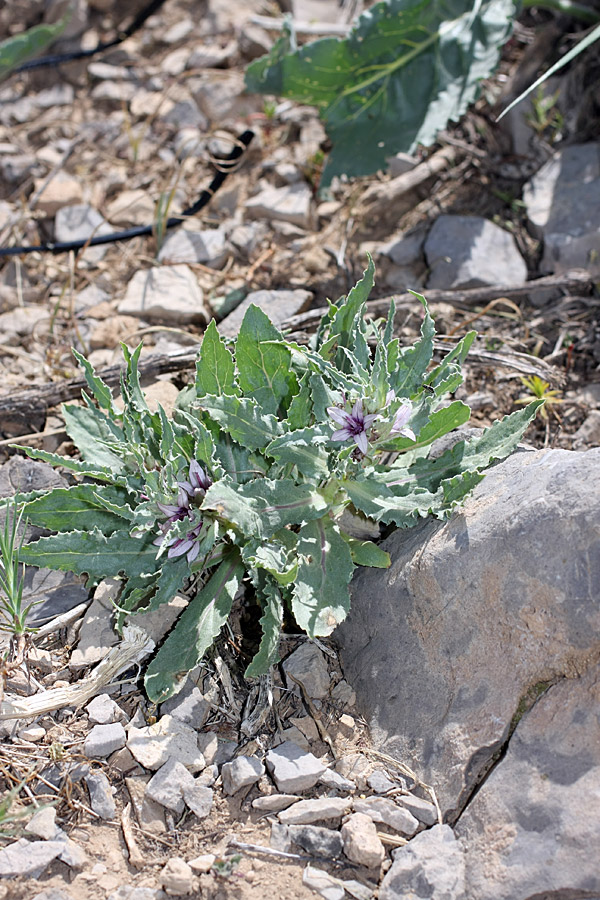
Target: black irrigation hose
x=58, y=58
x=225, y=165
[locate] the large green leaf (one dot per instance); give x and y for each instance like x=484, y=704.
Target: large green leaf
x=196, y=629
x=93, y=432
x=67, y=462
x=321, y=598
x=366, y=553
x=305, y=449
x=411, y=363
x=263, y=362
x=20, y=48
x=262, y=507
x=402, y=506
x=440, y=422
x=406, y=69
x=94, y=554
x=80, y=508
x=242, y=418
x=215, y=370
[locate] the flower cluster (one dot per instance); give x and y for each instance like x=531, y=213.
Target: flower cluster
x=356, y=423
x=190, y=493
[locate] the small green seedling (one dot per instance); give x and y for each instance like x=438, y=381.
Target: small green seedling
x=538, y=390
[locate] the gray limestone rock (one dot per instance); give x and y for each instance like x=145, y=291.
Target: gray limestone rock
x=308, y=664
x=169, y=294
x=468, y=251
x=167, y=785
x=563, y=208
x=130, y=892
x=153, y=745
x=381, y=809
x=292, y=768
x=274, y=802
x=333, y=780
x=531, y=827
x=103, y=710
x=198, y=798
x=379, y=782
x=316, y=840
x=189, y=706
x=449, y=643
x=361, y=841
x=28, y=859
x=208, y=247
x=104, y=740
x=97, y=634
x=177, y=877
x=80, y=222
x=241, y=772
x=101, y=795
x=431, y=865
x=323, y=883
x=421, y=809
x=292, y=203
x=305, y=812
x=43, y=824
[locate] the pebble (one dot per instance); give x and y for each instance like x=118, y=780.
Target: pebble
x=189, y=706
x=167, y=786
x=208, y=777
x=28, y=859
x=101, y=795
x=379, y=782
x=97, y=635
x=317, y=840
x=80, y=222
x=103, y=710
x=208, y=247
x=168, y=738
x=104, y=740
x=346, y=725
x=129, y=892
x=381, y=809
x=331, y=779
x=43, y=824
x=292, y=769
x=132, y=207
x=62, y=190
x=431, y=865
x=323, y=883
x=469, y=251
x=208, y=744
x=344, y=694
x=296, y=736
x=241, y=772
x=361, y=843
x=421, y=809
x=274, y=802
x=305, y=812
x=169, y=294
x=198, y=798
x=177, y=877
x=202, y=864
x=308, y=664
x=280, y=838
x=149, y=814
x=291, y=203
x=33, y=733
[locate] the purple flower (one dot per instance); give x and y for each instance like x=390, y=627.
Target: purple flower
x=198, y=481
x=400, y=420
x=190, y=492
x=354, y=425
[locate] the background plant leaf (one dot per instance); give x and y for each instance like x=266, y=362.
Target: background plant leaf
x=215, y=370
x=271, y=620
x=263, y=362
x=407, y=68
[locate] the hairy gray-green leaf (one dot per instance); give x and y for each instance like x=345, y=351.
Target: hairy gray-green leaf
x=407, y=68
x=412, y=363
x=215, y=369
x=304, y=448
x=261, y=507
x=321, y=598
x=271, y=620
x=82, y=507
x=242, y=418
x=263, y=362
x=92, y=432
x=366, y=553
x=196, y=629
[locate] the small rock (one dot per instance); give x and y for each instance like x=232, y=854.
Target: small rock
x=208, y=744
x=211, y=56
x=97, y=635
x=332, y=779
x=292, y=769
x=431, y=865
x=189, y=705
x=400, y=164
x=296, y=736
x=305, y=812
x=103, y=710
x=280, y=838
x=198, y=798
x=469, y=251
x=346, y=725
x=361, y=843
x=71, y=853
x=101, y=795
x=343, y=693
x=104, y=740
x=240, y=772
x=176, y=62
x=52, y=894
x=33, y=733
x=220, y=95
x=168, y=738
x=28, y=859
x=167, y=786
x=178, y=32
x=317, y=841
x=208, y=247
x=43, y=824
x=168, y=294
x=278, y=305
x=291, y=203
x=208, y=777
x=323, y=883
x=380, y=809
x=421, y=809
x=122, y=760
x=405, y=249
x=133, y=207
x=202, y=864
x=588, y=434
x=177, y=877
x=308, y=664
x=379, y=782
x=357, y=889
x=129, y=892
x=274, y=802
x=62, y=190
x=307, y=725
x=78, y=223
x=248, y=236
x=149, y=814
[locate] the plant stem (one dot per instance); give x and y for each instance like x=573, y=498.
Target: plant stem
x=567, y=8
